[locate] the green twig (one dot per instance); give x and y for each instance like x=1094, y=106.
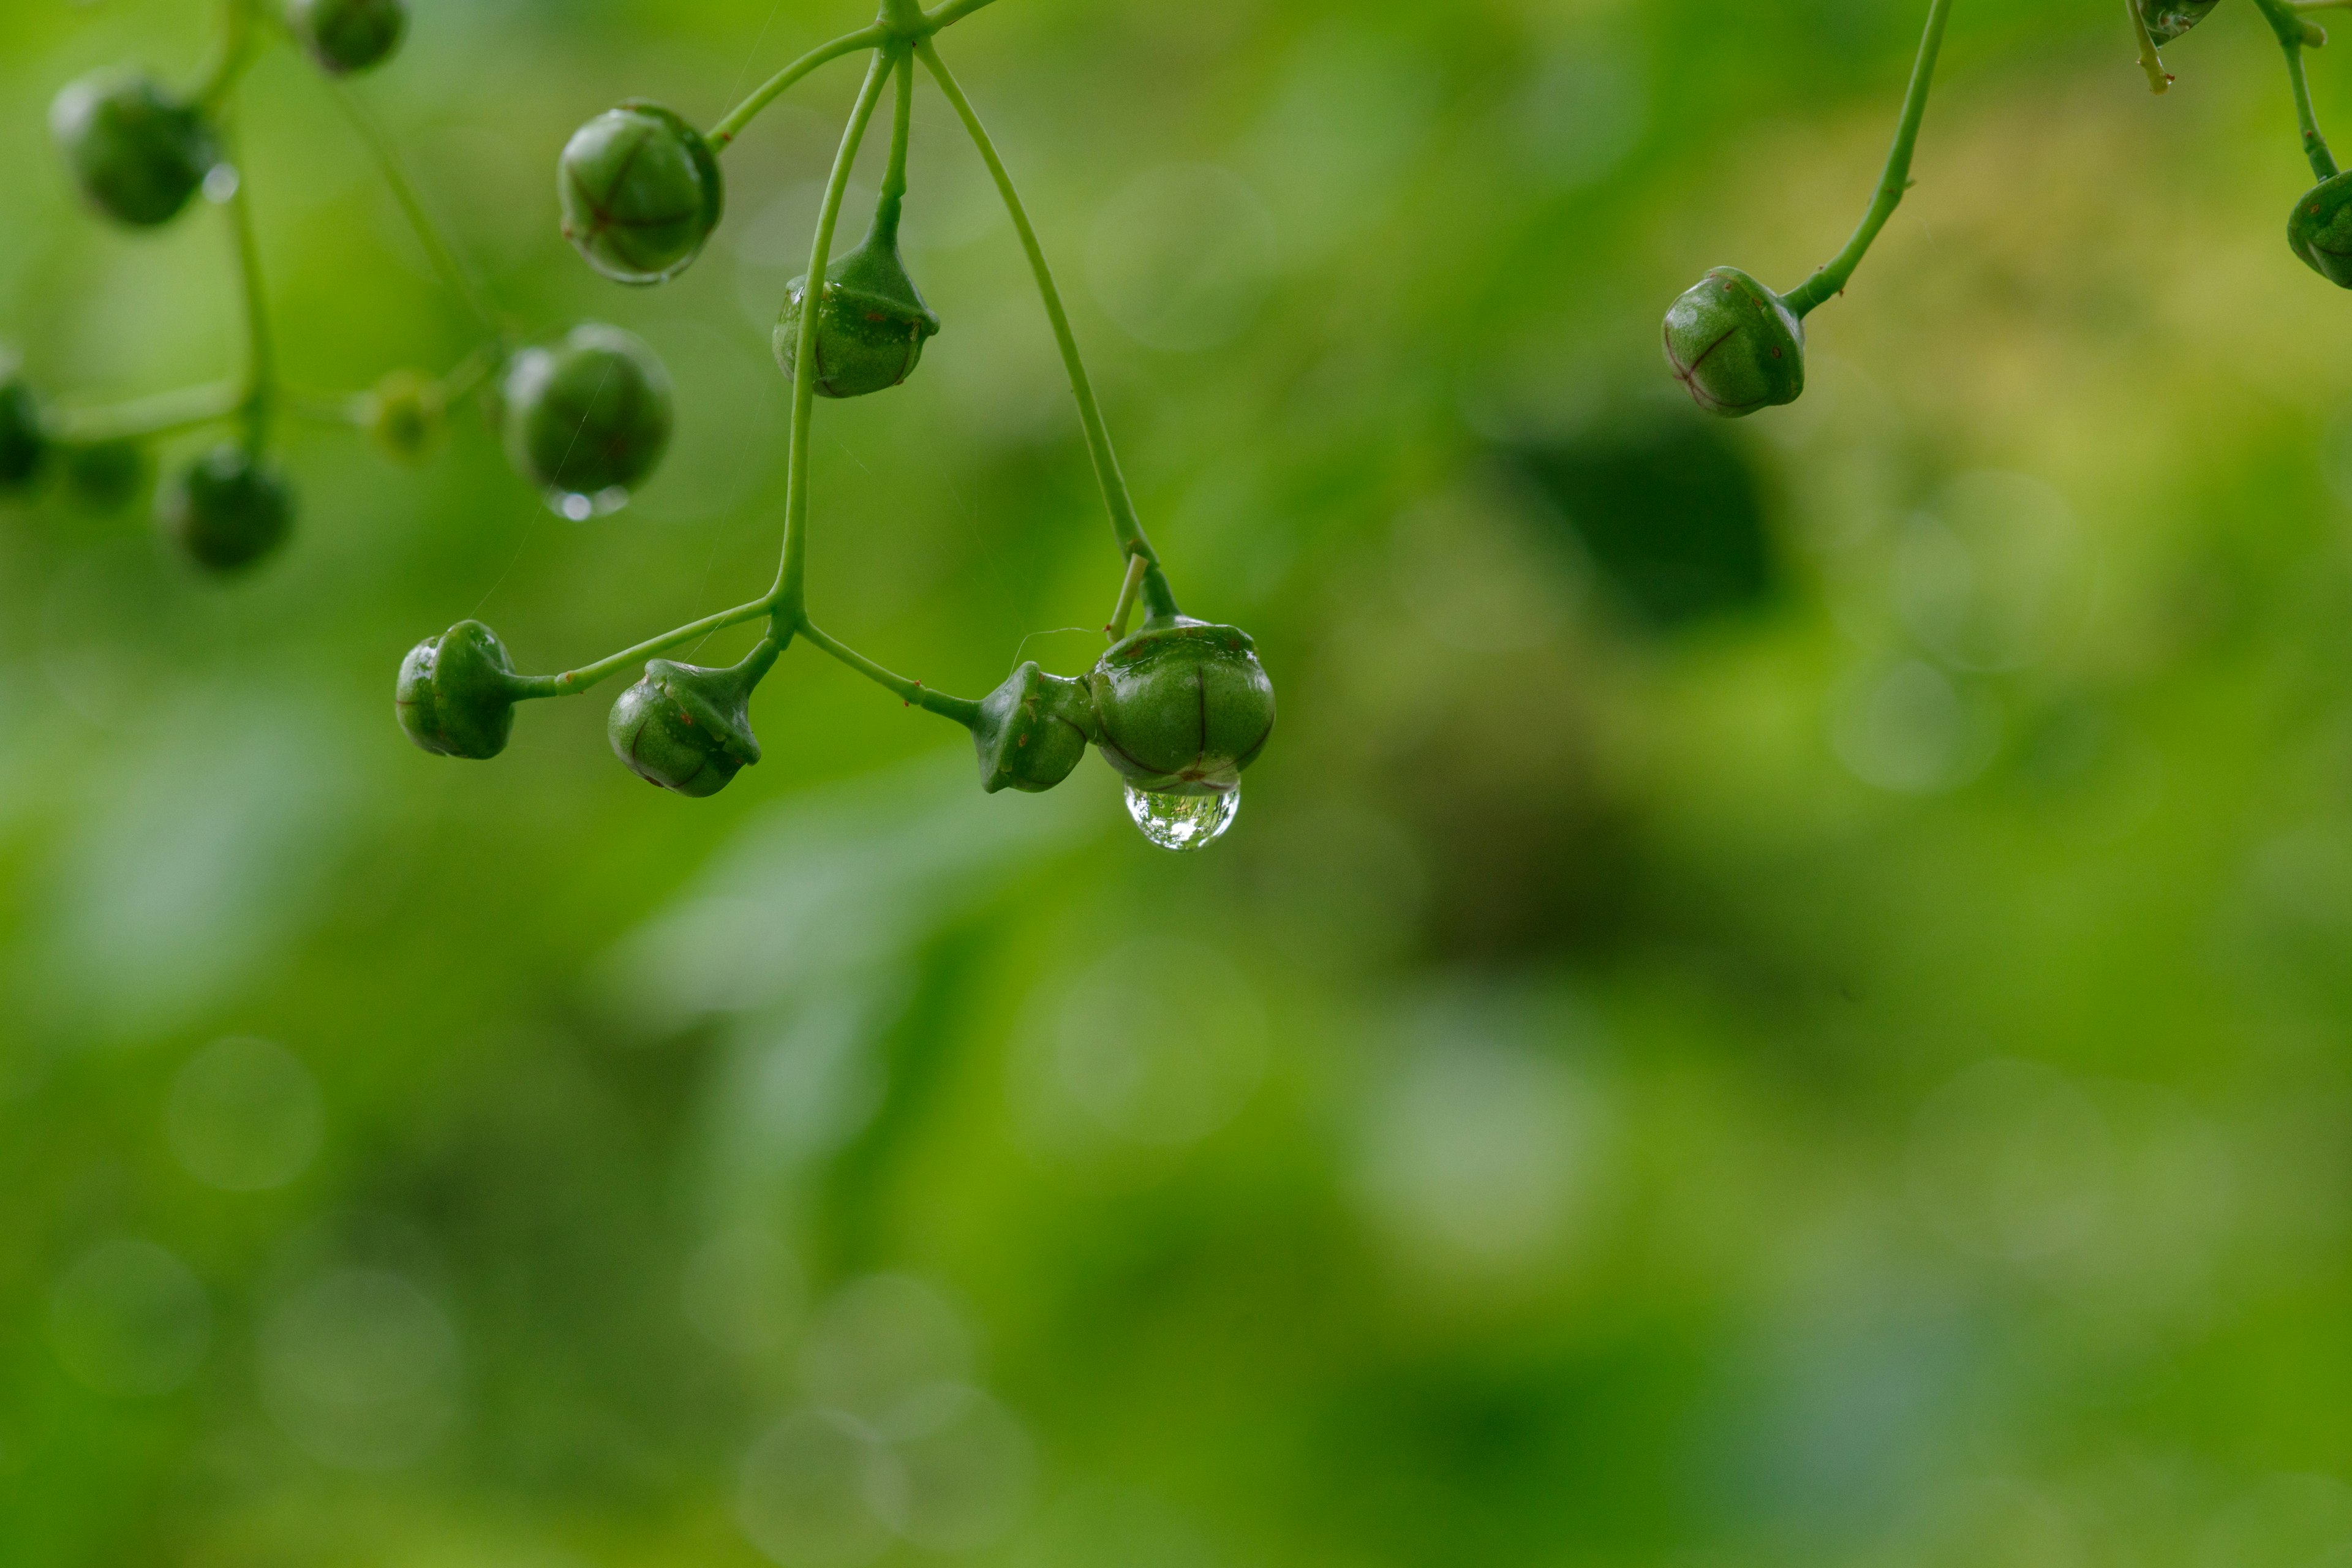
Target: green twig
x=2294, y=35
x=913, y=693
x=1159, y=599
x=1115, y=627
x=573, y=681
x=164, y=414
x=776, y=86
x=2158, y=80
x=261, y=355
x=438, y=251
x=1831, y=280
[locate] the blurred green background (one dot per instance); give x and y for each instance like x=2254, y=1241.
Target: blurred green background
x=1779, y=997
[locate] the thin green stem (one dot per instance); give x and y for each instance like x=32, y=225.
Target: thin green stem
x=776, y=86
x=573, y=681
x=1115, y=627
x=261, y=354
x=913, y=693
x=164, y=414
x=353, y=410
x=2159, y=78
x=894, y=177
x=1159, y=598
x=443, y=257
x=469, y=373
x=791, y=592
x=233, y=47
x=2294, y=35
x=948, y=16
x=1831, y=280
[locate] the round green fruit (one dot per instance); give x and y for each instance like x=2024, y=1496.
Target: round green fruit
x=685, y=728
x=1183, y=707
x=1736, y=345
x=641, y=193
x=23, y=442
x=871, y=323
x=106, y=475
x=456, y=697
x=405, y=415
x=588, y=419
x=1033, y=731
x=347, y=36
x=137, y=151
x=2319, y=230
x=226, y=510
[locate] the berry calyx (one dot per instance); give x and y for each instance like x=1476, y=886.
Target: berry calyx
x=2167, y=19
x=688, y=728
x=23, y=445
x=1033, y=731
x=871, y=321
x=135, y=149
x=1736, y=345
x=405, y=415
x=105, y=476
x=1183, y=707
x=226, y=510
x=641, y=193
x=347, y=36
x=456, y=696
x=2319, y=230
x=588, y=419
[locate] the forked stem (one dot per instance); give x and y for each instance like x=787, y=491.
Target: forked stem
x=1831, y=280
x=2294, y=35
x=1158, y=599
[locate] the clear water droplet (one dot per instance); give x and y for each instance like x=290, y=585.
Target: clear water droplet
x=220, y=184
x=578, y=508
x=1184, y=822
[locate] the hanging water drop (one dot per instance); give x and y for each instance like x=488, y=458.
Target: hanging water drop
x=1184, y=822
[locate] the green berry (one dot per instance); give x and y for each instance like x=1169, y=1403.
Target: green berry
x=2319, y=230
x=226, y=510
x=137, y=150
x=1184, y=708
x=347, y=36
x=106, y=475
x=2167, y=19
x=405, y=415
x=456, y=693
x=641, y=193
x=589, y=419
x=1033, y=731
x=23, y=445
x=1736, y=345
x=870, y=327
x=688, y=728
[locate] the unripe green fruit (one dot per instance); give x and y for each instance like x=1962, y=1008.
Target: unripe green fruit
x=456, y=697
x=106, y=475
x=2167, y=19
x=346, y=36
x=405, y=415
x=1736, y=345
x=590, y=417
x=226, y=510
x=1183, y=708
x=870, y=327
x=685, y=728
x=137, y=150
x=1033, y=731
x=22, y=443
x=641, y=193
x=2319, y=230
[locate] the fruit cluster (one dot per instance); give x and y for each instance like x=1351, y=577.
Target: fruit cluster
x=1178, y=708
x=1736, y=346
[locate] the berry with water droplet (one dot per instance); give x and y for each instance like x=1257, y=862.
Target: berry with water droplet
x=641, y=193
x=2319, y=230
x=686, y=728
x=405, y=415
x=589, y=416
x=2167, y=19
x=137, y=151
x=347, y=36
x=1736, y=345
x=23, y=444
x=226, y=510
x=1184, y=707
x=106, y=475
x=456, y=696
x=1184, y=822
x=1033, y=731
x=871, y=323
